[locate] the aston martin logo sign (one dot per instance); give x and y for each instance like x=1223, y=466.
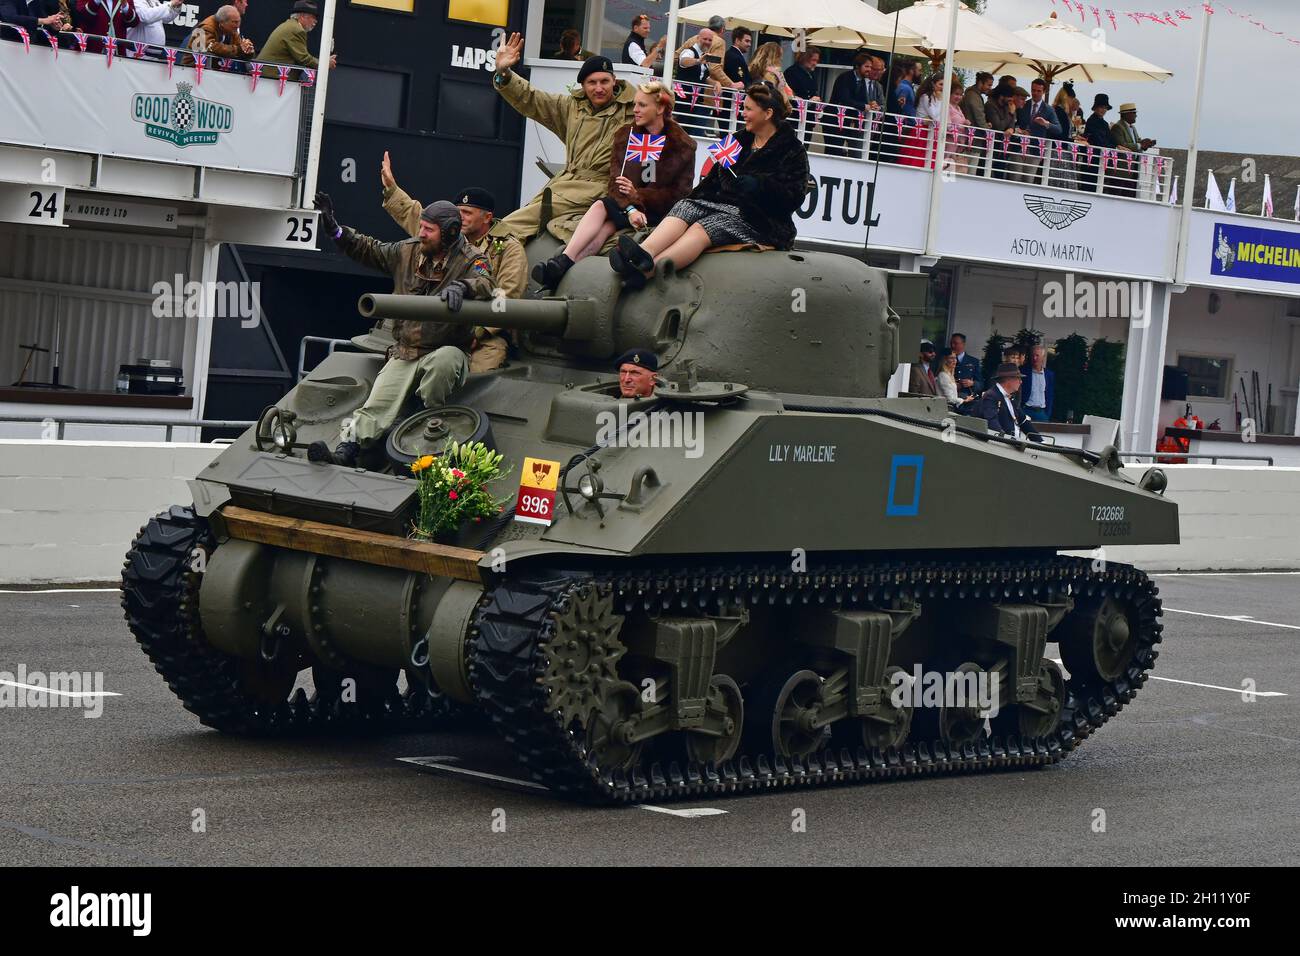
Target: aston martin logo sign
x=1056, y=213
x=181, y=119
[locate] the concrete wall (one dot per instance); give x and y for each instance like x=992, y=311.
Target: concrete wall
x=1231, y=518
x=69, y=509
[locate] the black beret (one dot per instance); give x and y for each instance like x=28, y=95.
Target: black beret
x=478, y=197
x=639, y=357
x=595, y=64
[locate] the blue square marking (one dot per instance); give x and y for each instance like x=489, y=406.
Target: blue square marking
x=912, y=508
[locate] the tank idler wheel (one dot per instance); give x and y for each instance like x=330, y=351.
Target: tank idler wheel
x=961, y=723
x=1099, y=642
x=608, y=726
x=785, y=717
x=1038, y=717
x=727, y=704
x=887, y=728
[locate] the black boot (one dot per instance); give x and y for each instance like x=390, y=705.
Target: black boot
x=319, y=452
x=548, y=274
x=347, y=453
x=635, y=257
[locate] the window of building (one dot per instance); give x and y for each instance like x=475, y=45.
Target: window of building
x=467, y=108
x=491, y=13
x=397, y=6
x=1207, y=376
x=362, y=95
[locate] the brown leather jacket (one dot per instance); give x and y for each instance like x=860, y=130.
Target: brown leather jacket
x=414, y=274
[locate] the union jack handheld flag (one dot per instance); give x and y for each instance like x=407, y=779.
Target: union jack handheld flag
x=724, y=153
x=644, y=147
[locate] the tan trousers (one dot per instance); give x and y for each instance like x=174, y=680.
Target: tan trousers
x=433, y=376
x=490, y=354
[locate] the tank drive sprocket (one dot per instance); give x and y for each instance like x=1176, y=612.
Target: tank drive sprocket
x=160, y=598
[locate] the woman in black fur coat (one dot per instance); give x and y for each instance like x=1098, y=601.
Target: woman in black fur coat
x=753, y=202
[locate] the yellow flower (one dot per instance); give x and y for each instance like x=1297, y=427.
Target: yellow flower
x=420, y=464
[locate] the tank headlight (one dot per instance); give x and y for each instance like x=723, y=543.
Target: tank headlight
x=590, y=486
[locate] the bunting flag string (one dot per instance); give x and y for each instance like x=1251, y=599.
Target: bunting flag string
x=284, y=76
x=138, y=49
x=27, y=41
x=109, y=48
x=52, y=40
x=200, y=62
x=171, y=60
x=257, y=75
x=81, y=39
x=1172, y=18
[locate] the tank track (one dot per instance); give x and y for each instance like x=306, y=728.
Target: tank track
x=160, y=601
x=517, y=618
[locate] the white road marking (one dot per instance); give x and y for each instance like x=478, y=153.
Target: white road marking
x=440, y=764
x=62, y=591
x=689, y=812
x=60, y=693
x=1239, y=618
x=1192, y=683
x=1218, y=574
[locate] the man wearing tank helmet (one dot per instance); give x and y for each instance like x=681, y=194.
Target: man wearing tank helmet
x=430, y=358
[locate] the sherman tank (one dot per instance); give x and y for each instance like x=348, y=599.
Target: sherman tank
x=747, y=579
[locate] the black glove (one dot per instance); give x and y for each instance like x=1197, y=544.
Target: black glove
x=747, y=184
x=326, y=207
x=453, y=293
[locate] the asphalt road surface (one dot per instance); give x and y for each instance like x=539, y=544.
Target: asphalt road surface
x=1190, y=773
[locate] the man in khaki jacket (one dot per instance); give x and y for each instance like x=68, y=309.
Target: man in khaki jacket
x=429, y=358
x=585, y=120
x=288, y=42
x=505, y=253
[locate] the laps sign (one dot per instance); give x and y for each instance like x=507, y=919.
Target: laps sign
x=1248, y=252
x=537, y=484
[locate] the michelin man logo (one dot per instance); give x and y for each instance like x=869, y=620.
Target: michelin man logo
x=1225, y=254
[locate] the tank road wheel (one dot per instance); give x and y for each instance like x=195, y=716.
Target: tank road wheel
x=726, y=702
x=606, y=726
x=1098, y=642
x=888, y=728
x=784, y=717
x=1040, y=716
x=962, y=724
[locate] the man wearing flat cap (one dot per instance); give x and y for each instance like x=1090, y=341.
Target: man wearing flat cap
x=585, y=120
x=288, y=42
x=998, y=405
x=429, y=358
x=505, y=253
x=636, y=373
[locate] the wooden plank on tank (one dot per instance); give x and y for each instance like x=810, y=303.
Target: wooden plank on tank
x=299, y=534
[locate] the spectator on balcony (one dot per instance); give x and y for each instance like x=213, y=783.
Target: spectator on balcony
x=1097, y=132
x=219, y=35
x=735, y=65
x=1039, y=388
x=1002, y=120
x=639, y=194
x=998, y=406
x=972, y=103
x=571, y=47
x=31, y=16
x=153, y=14
x=930, y=103
x=635, y=49
x=752, y=203
x=765, y=67
x=801, y=75
x=692, y=67
x=857, y=92
x=1125, y=131
x=288, y=42
x=1036, y=118
x=903, y=96
x=717, y=52
x=1069, y=113
x=105, y=18
x=969, y=378
x=922, y=380
x=585, y=119
x=957, y=147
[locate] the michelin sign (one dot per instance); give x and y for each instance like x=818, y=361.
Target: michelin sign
x=1249, y=252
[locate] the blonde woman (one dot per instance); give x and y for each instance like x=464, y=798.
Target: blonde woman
x=765, y=67
x=947, y=379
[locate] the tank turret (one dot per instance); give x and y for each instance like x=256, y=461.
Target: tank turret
x=793, y=322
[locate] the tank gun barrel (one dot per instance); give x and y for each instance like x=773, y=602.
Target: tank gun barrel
x=570, y=319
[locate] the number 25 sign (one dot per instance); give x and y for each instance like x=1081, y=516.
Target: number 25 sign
x=537, y=484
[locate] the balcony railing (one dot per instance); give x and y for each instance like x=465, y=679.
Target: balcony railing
x=834, y=130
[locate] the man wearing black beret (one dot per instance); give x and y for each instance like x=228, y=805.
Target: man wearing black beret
x=636, y=373
x=585, y=120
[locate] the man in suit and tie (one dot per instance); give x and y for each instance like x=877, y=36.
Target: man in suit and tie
x=856, y=91
x=923, y=381
x=998, y=406
x=1038, y=386
x=1039, y=118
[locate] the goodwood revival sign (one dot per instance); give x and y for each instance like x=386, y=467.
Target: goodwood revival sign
x=182, y=119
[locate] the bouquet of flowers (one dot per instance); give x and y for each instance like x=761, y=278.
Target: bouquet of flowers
x=453, y=488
